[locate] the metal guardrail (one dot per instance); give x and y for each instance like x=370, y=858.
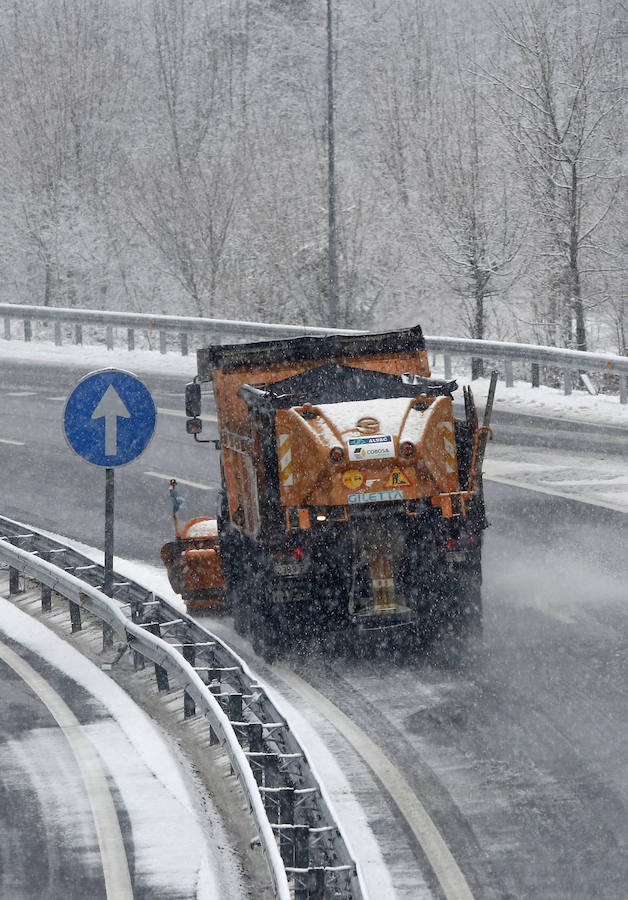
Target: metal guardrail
x=183, y=326
x=571, y=363
x=308, y=858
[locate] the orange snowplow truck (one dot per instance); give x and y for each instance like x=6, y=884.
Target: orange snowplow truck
x=351, y=495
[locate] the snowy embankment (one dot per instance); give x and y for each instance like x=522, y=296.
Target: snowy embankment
x=177, y=850
x=596, y=478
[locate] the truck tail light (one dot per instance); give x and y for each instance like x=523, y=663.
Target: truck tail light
x=407, y=449
x=336, y=454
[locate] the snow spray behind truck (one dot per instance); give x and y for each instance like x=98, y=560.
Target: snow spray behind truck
x=351, y=496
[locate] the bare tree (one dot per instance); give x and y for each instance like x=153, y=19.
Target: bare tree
x=557, y=103
x=188, y=189
x=61, y=95
x=406, y=95
x=473, y=237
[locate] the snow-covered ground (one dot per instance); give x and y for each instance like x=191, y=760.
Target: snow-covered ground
x=593, y=477
x=184, y=855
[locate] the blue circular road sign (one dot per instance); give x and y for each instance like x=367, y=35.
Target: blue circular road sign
x=109, y=418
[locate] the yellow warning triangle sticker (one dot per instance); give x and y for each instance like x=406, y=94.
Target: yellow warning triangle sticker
x=397, y=479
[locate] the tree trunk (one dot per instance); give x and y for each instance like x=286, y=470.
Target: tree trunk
x=574, y=272
x=477, y=364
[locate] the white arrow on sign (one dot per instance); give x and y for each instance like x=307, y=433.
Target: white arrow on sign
x=110, y=407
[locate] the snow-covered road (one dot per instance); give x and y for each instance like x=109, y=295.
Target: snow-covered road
x=484, y=746
x=123, y=777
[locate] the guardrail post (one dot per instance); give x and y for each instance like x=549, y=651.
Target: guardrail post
x=109, y=337
x=163, y=342
x=317, y=884
x=301, y=861
x=160, y=673
x=623, y=389
x=7, y=329
x=271, y=797
x=58, y=334
x=256, y=746
x=107, y=636
x=477, y=367
x=130, y=338
x=213, y=681
x=446, y=366
x=510, y=381
x=46, y=598
x=14, y=581
x=162, y=678
x=189, y=654
x=78, y=333
x=567, y=382
x=184, y=343
x=286, y=817
x=536, y=375
x=75, y=616
x=234, y=707
x=137, y=611
x=189, y=706
x=28, y=329
x=137, y=614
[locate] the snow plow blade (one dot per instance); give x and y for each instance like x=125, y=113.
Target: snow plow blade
x=193, y=565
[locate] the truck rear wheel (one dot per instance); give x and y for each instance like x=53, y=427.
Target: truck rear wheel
x=469, y=608
x=450, y=606
x=263, y=623
x=241, y=617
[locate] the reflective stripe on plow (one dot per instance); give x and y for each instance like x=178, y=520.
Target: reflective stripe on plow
x=285, y=460
x=450, y=448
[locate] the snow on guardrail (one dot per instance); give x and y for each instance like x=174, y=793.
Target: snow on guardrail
x=161, y=653
x=308, y=851
x=570, y=362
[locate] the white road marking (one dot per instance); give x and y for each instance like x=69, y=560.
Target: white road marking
x=613, y=481
x=445, y=867
x=527, y=486
x=194, y=484
x=7, y=441
x=114, y=860
x=177, y=412
x=21, y=393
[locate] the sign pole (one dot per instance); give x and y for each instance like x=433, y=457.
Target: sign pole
x=109, y=419
x=107, y=634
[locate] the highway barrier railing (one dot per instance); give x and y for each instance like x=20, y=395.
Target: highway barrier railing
x=163, y=326
x=304, y=846
x=568, y=367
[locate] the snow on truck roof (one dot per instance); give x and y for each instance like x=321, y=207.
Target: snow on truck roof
x=388, y=413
